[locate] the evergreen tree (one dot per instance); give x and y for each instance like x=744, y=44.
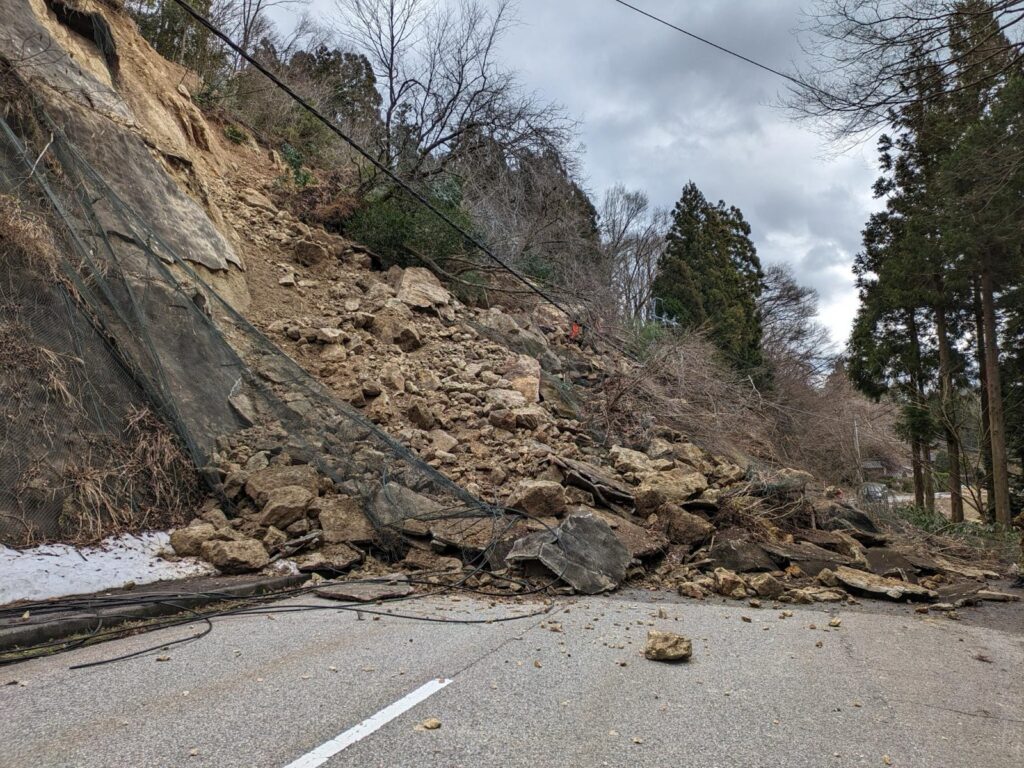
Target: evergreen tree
x=709, y=277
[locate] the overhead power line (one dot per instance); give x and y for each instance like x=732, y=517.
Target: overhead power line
x=723, y=49
x=373, y=160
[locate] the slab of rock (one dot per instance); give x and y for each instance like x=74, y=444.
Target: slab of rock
x=639, y=541
x=888, y=562
x=332, y=557
x=539, y=498
x=685, y=527
x=259, y=484
x=740, y=555
x=809, y=557
x=872, y=584
x=368, y=590
x=418, y=287
x=808, y=595
x=475, y=534
x=235, y=556
x=188, y=541
x=343, y=521
x=671, y=487
x=403, y=508
x=835, y=516
x=606, y=489
x=996, y=597
x=583, y=551
x=285, y=505
x=730, y=584
x=667, y=646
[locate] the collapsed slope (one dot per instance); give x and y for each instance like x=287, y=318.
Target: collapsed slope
x=339, y=458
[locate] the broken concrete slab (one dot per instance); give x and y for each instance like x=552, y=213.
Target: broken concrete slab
x=667, y=646
x=583, y=551
x=368, y=590
x=873, y=584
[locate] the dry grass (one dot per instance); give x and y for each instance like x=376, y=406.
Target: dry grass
x=142, y=479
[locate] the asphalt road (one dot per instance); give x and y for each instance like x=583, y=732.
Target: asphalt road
x=886, y=687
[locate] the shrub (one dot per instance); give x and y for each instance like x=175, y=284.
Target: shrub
x=235, y=134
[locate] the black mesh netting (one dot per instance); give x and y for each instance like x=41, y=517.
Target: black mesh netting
x=119, y=336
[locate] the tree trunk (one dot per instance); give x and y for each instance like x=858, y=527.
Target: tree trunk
x=915, y=463
x=997, y=425
x=929, y=478
x=956, y=500
x=984, y=439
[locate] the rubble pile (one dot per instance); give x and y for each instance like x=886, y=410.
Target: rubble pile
x=492, y=399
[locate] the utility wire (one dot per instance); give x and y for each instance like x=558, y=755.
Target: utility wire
x=723, y=49
x=184, y=5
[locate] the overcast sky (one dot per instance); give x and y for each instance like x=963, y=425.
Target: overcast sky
x=657, y=109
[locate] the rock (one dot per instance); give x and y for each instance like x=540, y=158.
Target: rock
x=741, y=555
x=274, y=538
x=672, y=487
x=835, y=516
x=729, y=584
x=667, y=646
x=394, y=325
x=766, y=585
x=808, y=595
x=880, y=585
x=626, y=460
x=442, y=441
x=996, y=597
x=421, y=415
x=367, y=590
x=691, y=589
x=539, y=498
x=640, y=542
x=285, y=505
x=260, y=484
x=505, y=398
x=188, y=541
x=215, y=517
x=530, y=417
x=418, y=287
x=331, y=557
x=688, y=453
x=524, y=374
x=308, y=253
x=255, y=199
x=235, y=556
x=685, y=527
x=502, y=418
x=583, y=552
x=342, y=520
x=809, y=557
x=404, y=509
x=827, y=578
x=426, y=560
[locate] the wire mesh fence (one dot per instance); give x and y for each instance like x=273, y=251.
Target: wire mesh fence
x=139, y=339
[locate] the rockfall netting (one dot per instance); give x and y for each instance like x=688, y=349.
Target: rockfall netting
x=116, y=335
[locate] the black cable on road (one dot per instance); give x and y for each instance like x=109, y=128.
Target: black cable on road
x=184, y=5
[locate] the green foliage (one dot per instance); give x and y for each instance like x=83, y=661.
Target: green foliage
x=392, y=224
x=235, y=134
x=300, y=177
x=709, y=277
x=982, y=535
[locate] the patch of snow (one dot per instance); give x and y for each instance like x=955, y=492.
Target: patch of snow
x=57, y=570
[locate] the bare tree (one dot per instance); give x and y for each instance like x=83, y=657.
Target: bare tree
x=795, y=344
x=863, y=55
x=632, y=239
x=442, y=87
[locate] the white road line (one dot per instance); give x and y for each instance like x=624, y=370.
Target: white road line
x=329, y=749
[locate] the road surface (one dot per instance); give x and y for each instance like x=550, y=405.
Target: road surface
x=569, y=688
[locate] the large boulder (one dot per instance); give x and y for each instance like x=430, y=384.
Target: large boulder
x=342, y=520
x=419, y=288
x=671, y=487
x=639, y=541
x=259, y=484
x=285, y=505
x=740, y=555
x=188, y=541
x=685, y=527
x=539, y=498
x=235, y=556
x=332, y=558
